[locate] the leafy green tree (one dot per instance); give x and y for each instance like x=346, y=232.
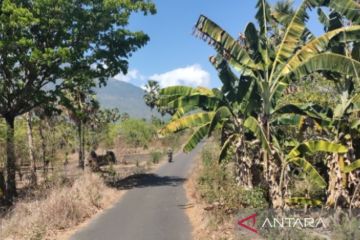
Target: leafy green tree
x=82, y=106
x=49, y=46
x=103, y=127
x=137, y=133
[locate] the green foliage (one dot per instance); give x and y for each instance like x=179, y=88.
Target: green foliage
x=99, y=37
x=53, y=48
x=266, y=102
x=155, y=156
x=348, y=228
x=217, y=184
x=137, y=133
x=151, y=96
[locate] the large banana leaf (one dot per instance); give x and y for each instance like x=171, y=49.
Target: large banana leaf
x=170, y=94
x=221, y=114
x=189, y=121
x=304, y=110
x=226, y=75
x=282, y=12
x=263, y=15
x=210, y=31
x=227, y=144
x=180, y=112
x=255, y=127
x=292, y=36
x=177, y=90
x=355, y=53
x=303, y=201
x=352, y=166
x=165, y=100
x=323, y=18
x=201, y=101
x=196, y=138
x=315, y=47
x=287, y=120
x=345, y=103
x=348, y=8
x=312, y=173
x=329, y=62
x=253, y=41
x=311, y=147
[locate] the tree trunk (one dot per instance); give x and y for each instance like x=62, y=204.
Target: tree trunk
x=275, y=191
x=337, y=194
x=31, y=148
x=272, y=168
x=43, y=148
x=2, y=184
x=244, y=162
x=11, y=160
x=81, y=144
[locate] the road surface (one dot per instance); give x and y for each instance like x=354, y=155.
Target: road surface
x=152, y=209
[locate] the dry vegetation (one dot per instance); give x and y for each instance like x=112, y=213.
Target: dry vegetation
x=202, y=220
x=68, y=198
x=216, y=198
x=62, y=206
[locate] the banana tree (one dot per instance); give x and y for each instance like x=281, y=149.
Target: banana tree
x=343, y=124
x=272, y=68
x=205, y=110
x=298, y=156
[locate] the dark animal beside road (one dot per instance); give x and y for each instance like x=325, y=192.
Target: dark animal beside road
x=96, y=161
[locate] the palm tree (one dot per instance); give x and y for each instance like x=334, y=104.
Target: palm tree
x=151, y=93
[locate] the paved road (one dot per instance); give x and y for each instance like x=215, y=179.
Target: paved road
x=152, y=209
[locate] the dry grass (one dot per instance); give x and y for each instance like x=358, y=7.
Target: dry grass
x=63, y=207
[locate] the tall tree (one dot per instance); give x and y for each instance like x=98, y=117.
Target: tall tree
x=82, y=105
x=48, y=46
x=151, y=95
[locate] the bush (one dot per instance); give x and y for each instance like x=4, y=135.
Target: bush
x=155, y=156
x=137, y=133
x=217, y=185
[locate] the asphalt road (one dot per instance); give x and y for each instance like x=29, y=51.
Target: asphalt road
x=152, y=209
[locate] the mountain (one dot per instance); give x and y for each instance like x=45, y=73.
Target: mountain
x=126, y=97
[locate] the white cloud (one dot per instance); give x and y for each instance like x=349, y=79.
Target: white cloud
x=132, y=74
x=192, y=75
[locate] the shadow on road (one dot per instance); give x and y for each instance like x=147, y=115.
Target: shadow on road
x=146, y=180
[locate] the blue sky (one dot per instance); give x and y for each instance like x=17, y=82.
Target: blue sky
x=174, y=56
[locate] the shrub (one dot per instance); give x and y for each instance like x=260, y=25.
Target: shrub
x=155, y=156
x=219, y=186
x=137, y=133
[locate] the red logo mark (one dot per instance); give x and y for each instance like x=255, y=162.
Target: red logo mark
x=253, y=217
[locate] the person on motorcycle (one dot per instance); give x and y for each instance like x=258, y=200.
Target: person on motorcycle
x=170, y=154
